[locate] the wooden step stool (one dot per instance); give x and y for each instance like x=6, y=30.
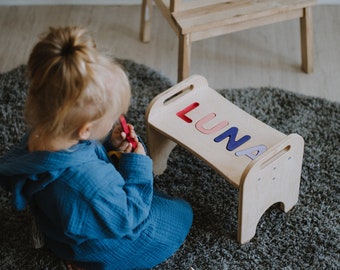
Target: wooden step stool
x=263, y=163
x=201, y=19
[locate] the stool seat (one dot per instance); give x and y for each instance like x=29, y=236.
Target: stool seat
x=263, y=163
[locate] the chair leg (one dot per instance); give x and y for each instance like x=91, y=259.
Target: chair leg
x=146, y=17
x=306, y=31
x=184, y=54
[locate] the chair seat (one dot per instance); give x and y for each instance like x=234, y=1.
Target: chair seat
x=200, y=19
x=229, y=13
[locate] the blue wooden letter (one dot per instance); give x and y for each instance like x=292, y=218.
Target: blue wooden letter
x=232, y=143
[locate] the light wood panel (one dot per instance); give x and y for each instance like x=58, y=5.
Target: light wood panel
x=266, y=171
x=263, y=56
x=199, y=20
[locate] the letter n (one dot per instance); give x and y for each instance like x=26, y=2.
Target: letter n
x=232, y=143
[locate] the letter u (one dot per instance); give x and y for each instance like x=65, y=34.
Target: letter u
x=206, y=119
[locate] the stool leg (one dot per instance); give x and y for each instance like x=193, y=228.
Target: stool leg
x=184, y=54
x=146, y=17
x=272, y=178
x=306, y=31
x=159, y=148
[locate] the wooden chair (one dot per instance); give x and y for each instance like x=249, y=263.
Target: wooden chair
x=263, y=163
x=201, y=19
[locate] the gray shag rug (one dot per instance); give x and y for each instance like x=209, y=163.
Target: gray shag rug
x=307, y=237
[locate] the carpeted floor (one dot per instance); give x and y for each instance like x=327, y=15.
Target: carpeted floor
x=307, y=237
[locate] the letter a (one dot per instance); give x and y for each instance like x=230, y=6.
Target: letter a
x=232, y=143
x=252, y=152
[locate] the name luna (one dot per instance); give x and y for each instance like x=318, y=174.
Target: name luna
x=231, y=133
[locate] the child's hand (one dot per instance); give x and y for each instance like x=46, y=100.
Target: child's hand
x=118, y=140
x=140, y=149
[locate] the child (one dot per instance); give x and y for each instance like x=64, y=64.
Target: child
x=91, y=213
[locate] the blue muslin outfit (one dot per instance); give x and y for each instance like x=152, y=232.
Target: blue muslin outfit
x=93, y=213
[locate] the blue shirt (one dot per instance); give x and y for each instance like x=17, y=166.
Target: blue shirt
x=93, y=213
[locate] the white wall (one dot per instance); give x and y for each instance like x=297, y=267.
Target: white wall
x=99, y=2
x=332, y=2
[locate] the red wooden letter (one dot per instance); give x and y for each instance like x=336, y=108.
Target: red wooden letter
x=182, y=113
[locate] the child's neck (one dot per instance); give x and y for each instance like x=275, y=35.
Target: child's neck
x=37, y=142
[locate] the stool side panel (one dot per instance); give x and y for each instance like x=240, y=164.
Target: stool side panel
x=274, y=177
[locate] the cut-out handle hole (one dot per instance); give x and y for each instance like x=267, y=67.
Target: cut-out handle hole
x=275, y=157
x=178, y=94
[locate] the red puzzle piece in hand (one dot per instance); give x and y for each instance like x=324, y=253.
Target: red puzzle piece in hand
x=127, y=132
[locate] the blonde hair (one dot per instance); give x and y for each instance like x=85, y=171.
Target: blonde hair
x=69, y=83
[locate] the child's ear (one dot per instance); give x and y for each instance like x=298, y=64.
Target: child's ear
x=85, y=131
